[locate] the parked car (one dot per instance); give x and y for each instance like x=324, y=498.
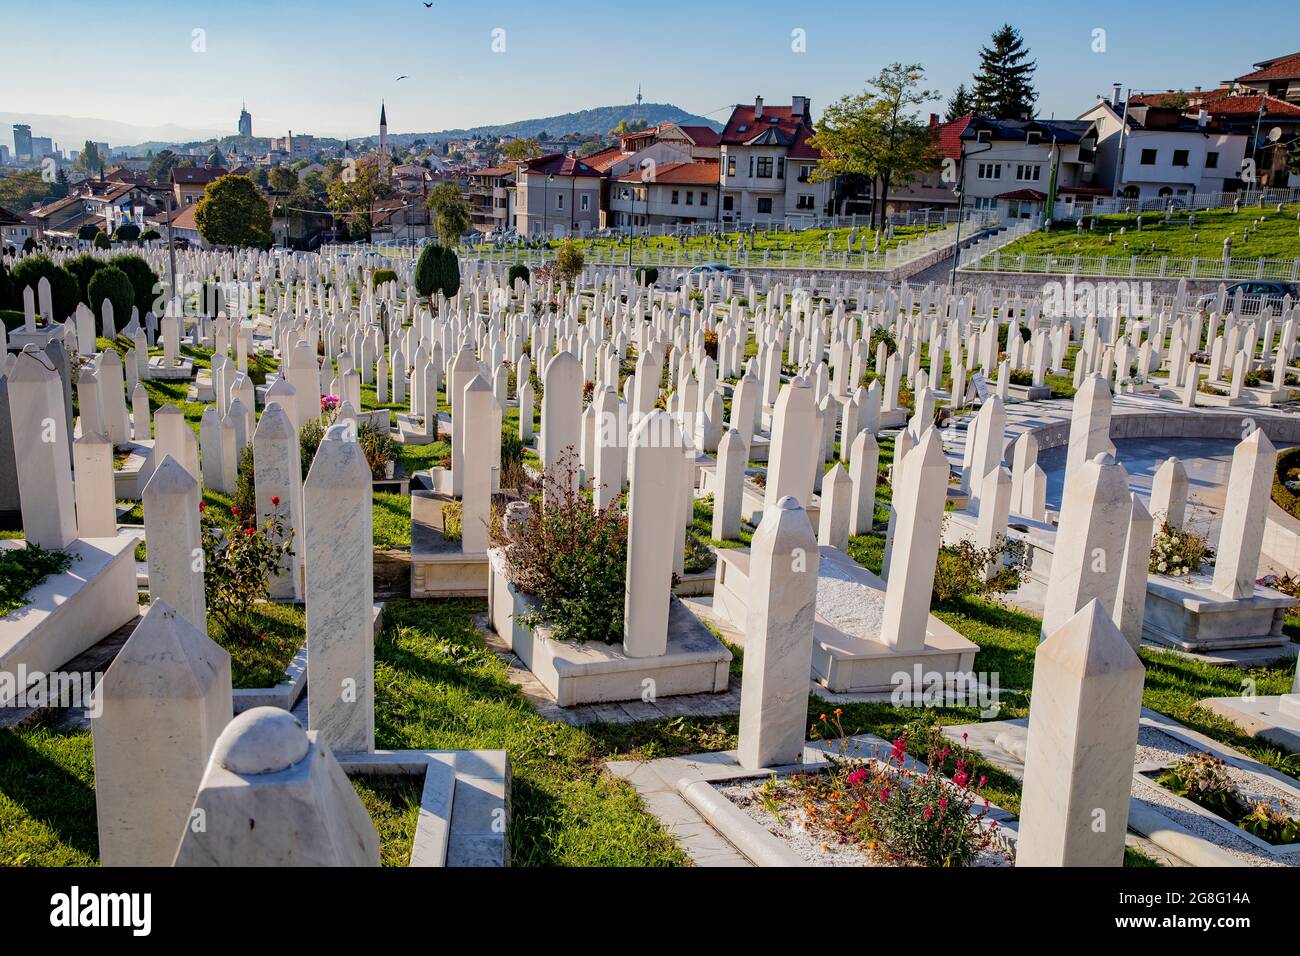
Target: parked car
x=702, y=273
x=1256, y=296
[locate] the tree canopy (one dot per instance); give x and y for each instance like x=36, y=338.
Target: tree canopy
x=1003, y=87
x=233, y=213
x=451, y=212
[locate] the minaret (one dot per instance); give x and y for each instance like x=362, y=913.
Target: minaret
x=383, y=137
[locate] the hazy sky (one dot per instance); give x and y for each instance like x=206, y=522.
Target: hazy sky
x=322, y=67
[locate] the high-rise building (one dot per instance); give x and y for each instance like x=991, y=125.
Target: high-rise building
x=22, y=142
x=245, y=121
x=41, y=146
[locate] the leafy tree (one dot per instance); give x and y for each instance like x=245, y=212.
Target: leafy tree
x=128, y=232
x=260, y=179
x=959, y=104
x=233, y=213
x=143, y=280
x=569, y=261
x=29, y=245
x=88, y=160
x=517, y=271
x=282, y=179
x=149, y=235
x=428, y=270
x=102, y=241
x=88, y=232
x=112, y=284
x=451, y=212
x=355, y=192
x=162, y=165
x=518, y=150
x=878, y=133
x=1003, y=87
x=299, y=207
x=21, y=191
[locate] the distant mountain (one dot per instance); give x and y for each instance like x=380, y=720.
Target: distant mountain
x=585, y=123
x=71, y=132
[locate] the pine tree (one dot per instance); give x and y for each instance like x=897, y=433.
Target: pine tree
x=1003, y=87
x=960, y=104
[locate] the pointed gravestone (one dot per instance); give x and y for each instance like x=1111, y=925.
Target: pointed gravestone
x=1083, y=724
x=42, y=452
x=836, y=507
x=733, y=457
x=1169, y=493
x=92, y=458
x=918, y=505
x=165, y=700
x=1090, y=543
x=657, y=489
x=864, y=470
x=274, y=795
x=779, y=638
x=277, y=478
x=175, y=549
x=561, y=410
x=794, y=454
x=1089, y=424
x=340, y=594
x=1131, y=598
x=1245, y=512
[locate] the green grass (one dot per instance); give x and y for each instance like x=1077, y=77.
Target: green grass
x=393, y=802
x=1275, y=239
x=259, y=661
x=22, y=569
x=392, y=520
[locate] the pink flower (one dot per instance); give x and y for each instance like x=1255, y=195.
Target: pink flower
x=943, y=803
x=857, y=776
x=884, y=794
x=928, y=813
x=983, y=780
x=960, y=778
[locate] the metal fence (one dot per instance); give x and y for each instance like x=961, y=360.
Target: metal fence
x=1146, y=267
x=1108, y=205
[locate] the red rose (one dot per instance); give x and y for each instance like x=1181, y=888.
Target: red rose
x=202, y=505
x=275, y=500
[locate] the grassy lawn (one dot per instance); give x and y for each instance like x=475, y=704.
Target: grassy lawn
x=1276, y=238
x=259, y=660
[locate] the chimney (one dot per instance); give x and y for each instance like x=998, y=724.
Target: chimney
x=1116, y=92
x=758, y=107
x=934, y=120
x=797, y=106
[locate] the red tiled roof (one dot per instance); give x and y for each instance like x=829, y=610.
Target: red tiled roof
x=1248, y=105
x=606, y=158
x=778, y=123
x=1279, y=68
x=493, y=171
x=701, y=173
x=197, y=175
x=1023, y=195
x=705, y=136
x=949, y=135
x=559, y=164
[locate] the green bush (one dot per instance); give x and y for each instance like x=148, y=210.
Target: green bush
x=381, y=276
x=84, y=268
x=110, y=283
x=102, y=241
x=6, y=287
x=428, y=270
x=143, y=280
x=29, y=245
x=450, y=273
x=243, y=505
x=149, y=235
x=64, y=292
x=647, y=275
x=128, y=232
x=517, y=271
x=379, y=447
x=1288, y=469
x=88, y=232
x=309, y=438
x=571, y=557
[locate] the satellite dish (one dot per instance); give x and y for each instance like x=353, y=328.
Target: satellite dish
x=1275, y=134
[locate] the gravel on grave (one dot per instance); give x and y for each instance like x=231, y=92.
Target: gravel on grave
x=1156, y=746
x=810, y=845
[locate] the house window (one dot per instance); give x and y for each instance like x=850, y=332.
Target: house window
x=728, y=203
x=990, y=171
x=586, y=202
x=1180, y=157
x=704, y=199
x=1148, y=157
x=780, y=167
x=804, y=201
x=1028, y=172
x=559, y=200
x=804, y=173
x=690, y=198
x=751, y=167
x=674, y=197
x=731, y=165
x=765, y=167
x=1212, y=160
x=1033, y=138
x=765, y=205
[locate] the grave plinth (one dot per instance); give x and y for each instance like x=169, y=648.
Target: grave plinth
x=439, y=568
x=848, y=654
x=1187, y=614
x=695, y=662
x=159, y=369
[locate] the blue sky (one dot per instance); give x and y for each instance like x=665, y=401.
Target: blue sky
x=322, y=67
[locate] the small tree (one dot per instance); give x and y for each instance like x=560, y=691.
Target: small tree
x=128, y=232
x=149, y=235
x=112, y=284
x=381, y=276
x=88, y=232
x=517, y=271
x=102, y=241
x=143, y=280
x=233, y=213
x=451, y=213
x=84, y=268
x=450, y=273
x=569, y=261
x=428, y=270
x=65, y=293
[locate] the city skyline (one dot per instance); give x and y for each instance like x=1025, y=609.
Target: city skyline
x=507, y=64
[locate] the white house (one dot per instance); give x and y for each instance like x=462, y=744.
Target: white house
x=767, y=163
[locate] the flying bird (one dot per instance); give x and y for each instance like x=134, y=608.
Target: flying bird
x=427, y=6
x=402, y=77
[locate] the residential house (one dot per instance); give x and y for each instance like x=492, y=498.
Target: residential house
x=677, y=193
x=15, y=228
x=1006, y=166
x=491, y=198
x=1150, y=152
x=766, y=164
x=1278, y=77
x=189, y=182
x=556, y=194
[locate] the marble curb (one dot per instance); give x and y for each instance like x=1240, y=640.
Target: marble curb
x=1145, y=820
x=287, y=693
x=758, y=846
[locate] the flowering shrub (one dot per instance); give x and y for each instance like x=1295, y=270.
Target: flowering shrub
x=329, y=406
x=960, y=572
x=238, y=564
x=1288, y=584
x=1203, y=779
x=902, y=815
x=1178, y=552
x=571, y=556
x=379, y=447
